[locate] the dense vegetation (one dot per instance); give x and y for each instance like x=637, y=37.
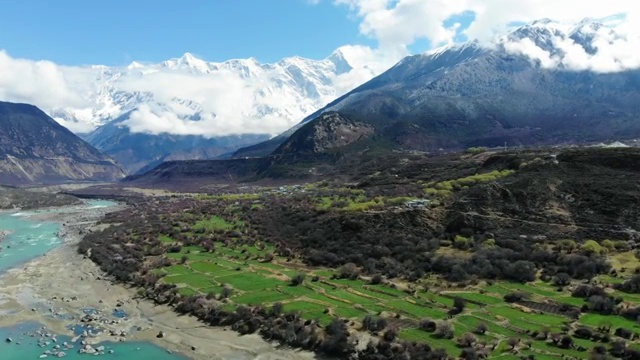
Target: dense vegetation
x=417, y=269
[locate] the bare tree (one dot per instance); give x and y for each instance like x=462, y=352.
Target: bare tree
x=467, y=340
x=444, y=329
x=225, y=293
x=513, y=342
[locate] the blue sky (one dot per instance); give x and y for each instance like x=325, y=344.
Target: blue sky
x=115, y=32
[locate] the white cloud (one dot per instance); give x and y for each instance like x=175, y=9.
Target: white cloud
x=25, y=80
x=617, y=50
x=366, y=63
x=228, y=102
x=397, y=24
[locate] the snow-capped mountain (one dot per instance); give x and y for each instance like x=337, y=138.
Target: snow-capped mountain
x=540, y=83
x=191, y=108
x=183, y=87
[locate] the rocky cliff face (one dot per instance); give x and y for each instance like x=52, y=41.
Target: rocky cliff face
x=36, y=149
x=329, y=131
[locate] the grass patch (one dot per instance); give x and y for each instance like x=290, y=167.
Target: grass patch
x=437, y=300
x=527, y=320
x=351, y=297
x=349, y=313
x=485, y=299
x=213, y=223
x=325, y=300
x=571, y=300
x=388, y=290
x=374, y=294
x=167, y=239
x=196, y=281
x=497, y=289
x=191, y=257
x=186, y=291
x=416, y=311
x=211, y=268
x=626, y=260
x=596, y=320
x=297, y=291
x=309, y=310
x=246, y=281
x=530, y=289
x=177, y=270
x=261, y=297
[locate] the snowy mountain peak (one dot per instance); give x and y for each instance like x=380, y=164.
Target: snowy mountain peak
x=188, y=95
x=188, y=57
x=542, y=22
x=546, y=28
x=135, y=65
x=187, y=62
x=587, y=25
x=339, y=60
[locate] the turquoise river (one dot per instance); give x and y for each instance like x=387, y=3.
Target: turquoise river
x=29, y=239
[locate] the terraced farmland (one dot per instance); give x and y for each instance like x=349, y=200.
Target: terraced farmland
x=254, y=281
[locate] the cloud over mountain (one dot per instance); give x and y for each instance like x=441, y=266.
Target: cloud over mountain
x=582, y=47
x=187, y=95
x=400, y=23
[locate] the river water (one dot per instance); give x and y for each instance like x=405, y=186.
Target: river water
x=28, y=240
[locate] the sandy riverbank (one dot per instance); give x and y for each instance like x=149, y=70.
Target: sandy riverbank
x=62, y=283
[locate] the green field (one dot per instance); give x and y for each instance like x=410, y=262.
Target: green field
x=214, y=223
x=253, y=281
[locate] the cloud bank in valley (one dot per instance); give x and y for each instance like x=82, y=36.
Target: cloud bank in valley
x=230, y=102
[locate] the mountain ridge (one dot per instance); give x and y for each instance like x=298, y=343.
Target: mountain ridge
x=459, y=92
x=36, y=149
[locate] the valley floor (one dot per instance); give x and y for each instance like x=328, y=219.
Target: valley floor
x=57, y=288
x=509, y=256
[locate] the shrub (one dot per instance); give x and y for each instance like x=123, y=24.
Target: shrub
x=297, y=280
x=481, y=328
x=516, y=296
x=427, y=325
x=445, y=330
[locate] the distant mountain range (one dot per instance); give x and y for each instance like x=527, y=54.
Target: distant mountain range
x=36, y=149
x=290, y=88
x=142, y=151
x=472, y=95
x=129, y=105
